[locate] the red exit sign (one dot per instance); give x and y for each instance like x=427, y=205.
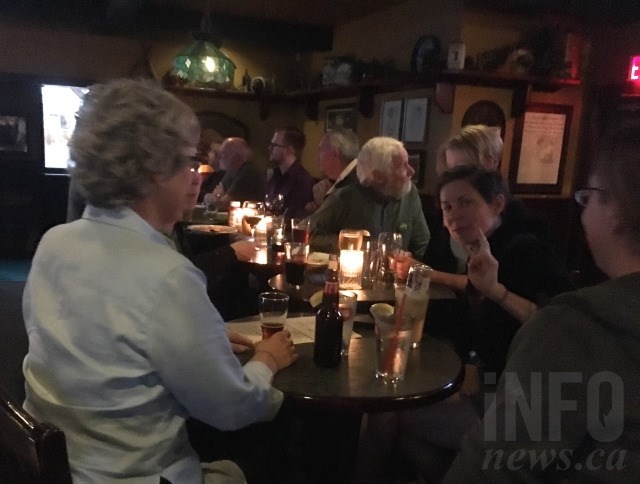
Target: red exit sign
x=634, y=68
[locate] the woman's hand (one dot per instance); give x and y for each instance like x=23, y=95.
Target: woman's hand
x=244, y=250
x=239, y=343
x=277, y=352
x=403, y=261
x=482, y=269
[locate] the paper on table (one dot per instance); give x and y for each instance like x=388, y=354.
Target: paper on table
x=302, y=329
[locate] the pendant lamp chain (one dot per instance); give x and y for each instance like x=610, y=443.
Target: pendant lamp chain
x=205, y=24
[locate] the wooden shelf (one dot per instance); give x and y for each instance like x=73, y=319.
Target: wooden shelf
x=444, y=83
x=265, y=100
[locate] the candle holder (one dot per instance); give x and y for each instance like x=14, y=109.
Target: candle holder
x=234, y=216
x=261, y=231
x=350, y=274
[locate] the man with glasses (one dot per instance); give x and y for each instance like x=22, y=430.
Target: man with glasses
x=289, y=178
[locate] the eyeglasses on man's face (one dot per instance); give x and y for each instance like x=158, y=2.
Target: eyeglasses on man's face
x=276, y=145
x=582, y=195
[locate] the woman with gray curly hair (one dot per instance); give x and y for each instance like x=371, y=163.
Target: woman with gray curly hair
x=124, y=343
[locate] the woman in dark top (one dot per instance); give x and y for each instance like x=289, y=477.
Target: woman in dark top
x=510, y=273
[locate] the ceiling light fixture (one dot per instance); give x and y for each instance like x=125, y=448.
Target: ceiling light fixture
x=201, y=63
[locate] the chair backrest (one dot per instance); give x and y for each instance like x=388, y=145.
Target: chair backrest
x=30, y=451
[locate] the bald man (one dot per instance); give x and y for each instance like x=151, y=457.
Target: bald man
x=242, y=180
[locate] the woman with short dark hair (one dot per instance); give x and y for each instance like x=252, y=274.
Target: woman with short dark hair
x=510, y=274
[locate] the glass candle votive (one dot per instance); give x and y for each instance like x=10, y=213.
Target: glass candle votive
x=234, y=214
x=350, y=274
x=350, y=239
x=262, y=231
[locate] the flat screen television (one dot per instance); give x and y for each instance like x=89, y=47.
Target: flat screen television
x=59, y=107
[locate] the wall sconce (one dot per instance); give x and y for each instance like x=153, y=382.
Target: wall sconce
x=202, y=64
x=350, y=274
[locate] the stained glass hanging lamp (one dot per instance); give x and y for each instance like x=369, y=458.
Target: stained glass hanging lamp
x=202, y=64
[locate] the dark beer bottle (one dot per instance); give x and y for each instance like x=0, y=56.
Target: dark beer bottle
x=328, y=334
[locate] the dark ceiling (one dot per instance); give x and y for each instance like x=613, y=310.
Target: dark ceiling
x=294, y=25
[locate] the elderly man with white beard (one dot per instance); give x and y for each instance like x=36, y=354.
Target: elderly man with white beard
x=383, y=200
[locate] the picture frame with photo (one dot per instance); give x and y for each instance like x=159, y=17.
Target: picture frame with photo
x=539, y=153
x=417, y=162
x=415, y=120
x=391, y=118
x=341, y=116
x=13, y=134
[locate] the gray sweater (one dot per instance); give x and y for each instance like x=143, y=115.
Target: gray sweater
x=587, y=343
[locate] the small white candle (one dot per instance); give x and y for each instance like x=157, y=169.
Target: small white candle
x=350, y=269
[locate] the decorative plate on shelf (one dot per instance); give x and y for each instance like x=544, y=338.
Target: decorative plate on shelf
x=425, y=54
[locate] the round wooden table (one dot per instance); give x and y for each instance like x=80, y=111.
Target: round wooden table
x=433, y=373
x=329, y=403
x=321, y=416
x=366, y=297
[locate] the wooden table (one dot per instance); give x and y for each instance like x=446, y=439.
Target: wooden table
x=327, y=404
x=434, y=372
x=366, y=297
x=331, y=402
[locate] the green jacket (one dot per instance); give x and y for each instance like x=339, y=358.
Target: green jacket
x=359, y=207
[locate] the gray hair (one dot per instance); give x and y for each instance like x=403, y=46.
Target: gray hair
x=377, y=154
x=345, y=141
x=126, y=132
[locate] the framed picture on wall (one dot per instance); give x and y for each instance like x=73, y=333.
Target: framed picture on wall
x=391, y=119
x=341, y=116
x=415, y=120
x=539, y=154
x=417, y=160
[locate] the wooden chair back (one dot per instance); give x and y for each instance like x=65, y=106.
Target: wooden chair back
x=30, y=451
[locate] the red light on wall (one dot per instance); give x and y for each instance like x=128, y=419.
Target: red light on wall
x=634, y=69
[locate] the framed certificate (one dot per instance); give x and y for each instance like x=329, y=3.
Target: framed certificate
x=415, y=120
x=539, y=151
x=391, y=119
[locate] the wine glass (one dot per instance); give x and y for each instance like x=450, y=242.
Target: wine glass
x=274, y=204
x=389, y=243
x=253, y=212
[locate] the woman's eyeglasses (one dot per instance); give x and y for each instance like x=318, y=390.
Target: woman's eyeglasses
x=582, y=195
x=194, y=163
